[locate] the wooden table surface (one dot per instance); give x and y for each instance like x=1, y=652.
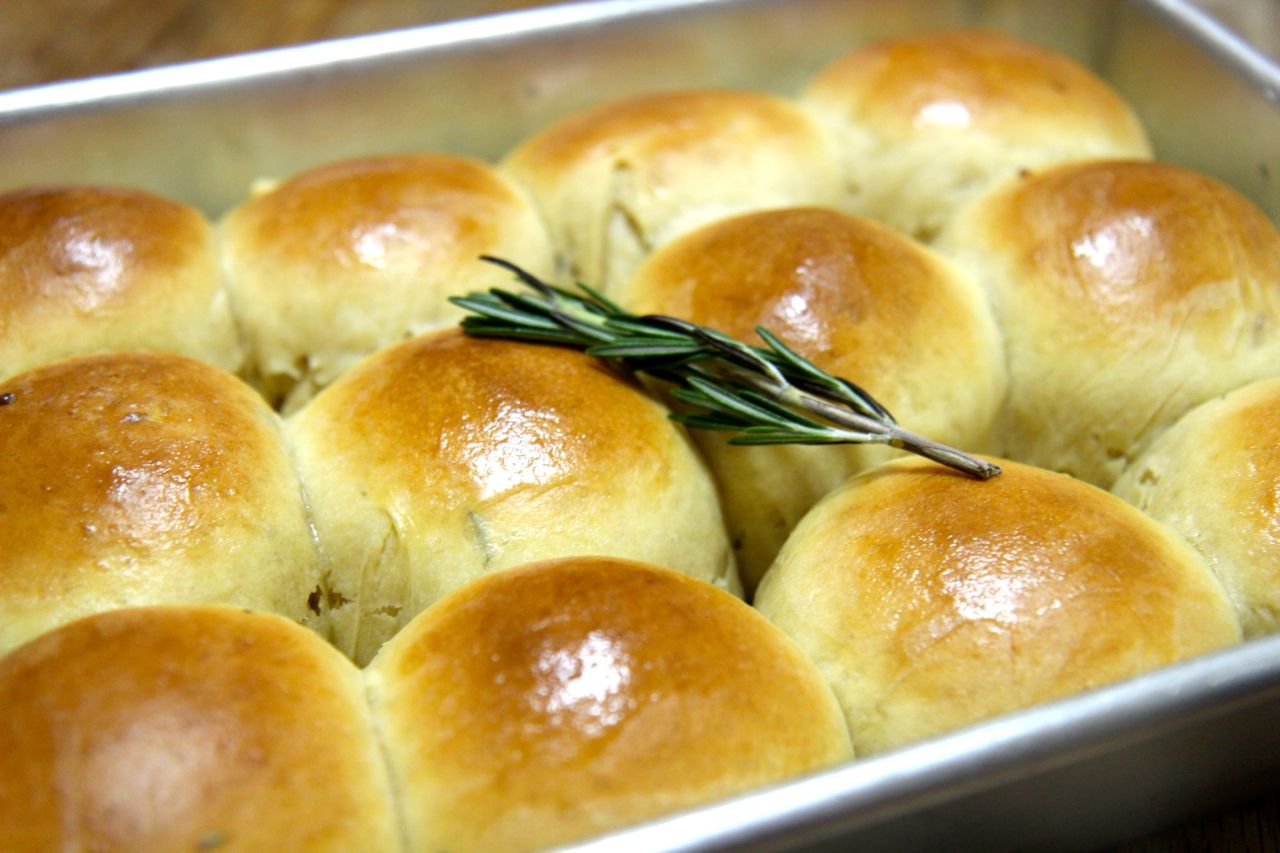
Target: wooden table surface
x=55, y=40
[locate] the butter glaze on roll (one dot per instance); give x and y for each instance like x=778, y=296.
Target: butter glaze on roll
x=349, y=257
x=1214, y=476
x=447, y=457
x=931, y=600
x=617, y=181
x=187, y=729
x=1128, y=293
x=564, y=699
x=924, y=123
x=90, y=269
x=139, y=478
x=861, y=302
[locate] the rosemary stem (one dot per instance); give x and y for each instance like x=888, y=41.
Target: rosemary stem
x=945, y=454
x=884, y=433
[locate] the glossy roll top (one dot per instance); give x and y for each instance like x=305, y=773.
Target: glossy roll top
x=571, y=697
x=1128, y=292
x=92, y=268
x=448, y=457
x=1214, y=476
x=932, y=600
x=860, y=301
x=345, y=258
x=926, y=122
x=188, y=728
x=134, y=478
x=616, y=181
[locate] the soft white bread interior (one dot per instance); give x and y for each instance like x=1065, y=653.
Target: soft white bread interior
x=860, y=301
x=1214, y=476
x=87, y=269
x=932, y=600
x=616, y=181
x=925, y=122
x=448, y=457
x=138, y=478
x=185, y=729
x=348, y=257
x=1128, y=292
x=563, y=699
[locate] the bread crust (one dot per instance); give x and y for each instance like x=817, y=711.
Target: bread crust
x=1128, y=292
x=188, y=728
x=139, y=478
x=859, y=300
x=343, y=259
x=931, y=600
x=87, y=269
x=925, y=123
x=448, y=457
x=575, y=696
x=617, y=181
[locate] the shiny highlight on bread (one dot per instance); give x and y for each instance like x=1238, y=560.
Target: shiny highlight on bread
x=1128, y=292
x=86, y=269
x=142, y=478
x=932, y=601
x=926, y=122
x=860, y=301
x=448, y=457
x=343, y=259
x=566, y=698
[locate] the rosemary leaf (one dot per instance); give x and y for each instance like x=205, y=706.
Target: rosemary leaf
x=494, y=330
x=708, y=422
x=638, y=347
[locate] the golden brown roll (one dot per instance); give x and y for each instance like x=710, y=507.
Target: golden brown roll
x=617, y=181
x=861, y=302
x=447, y=457
x=567, y=698
x=90, y=269
x=140, y=478
x=1128, y=292
x=177, y=728
x=349, y=257
x=1214, y=476
x=925, y=122
x=932, y=600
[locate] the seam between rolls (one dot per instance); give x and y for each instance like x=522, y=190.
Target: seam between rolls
x=222, y=259
x=394, y=788
x=285, y=432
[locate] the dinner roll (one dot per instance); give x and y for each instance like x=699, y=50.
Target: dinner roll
x=566, y=698
x=90, y=268
x=348, y=257
x=177, y=728
x=447, y=457
x=925, y=122
x=932, y=600
x=138, y=478
x=860, y=301
x=1128, y=292
x=617, y=181
x=1214, y=476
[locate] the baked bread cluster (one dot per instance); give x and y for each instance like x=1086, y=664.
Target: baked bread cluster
x=293, y=563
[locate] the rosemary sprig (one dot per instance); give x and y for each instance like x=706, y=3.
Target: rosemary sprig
x=767, y=394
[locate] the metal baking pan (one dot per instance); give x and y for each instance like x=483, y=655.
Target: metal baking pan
x=1081, y=773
